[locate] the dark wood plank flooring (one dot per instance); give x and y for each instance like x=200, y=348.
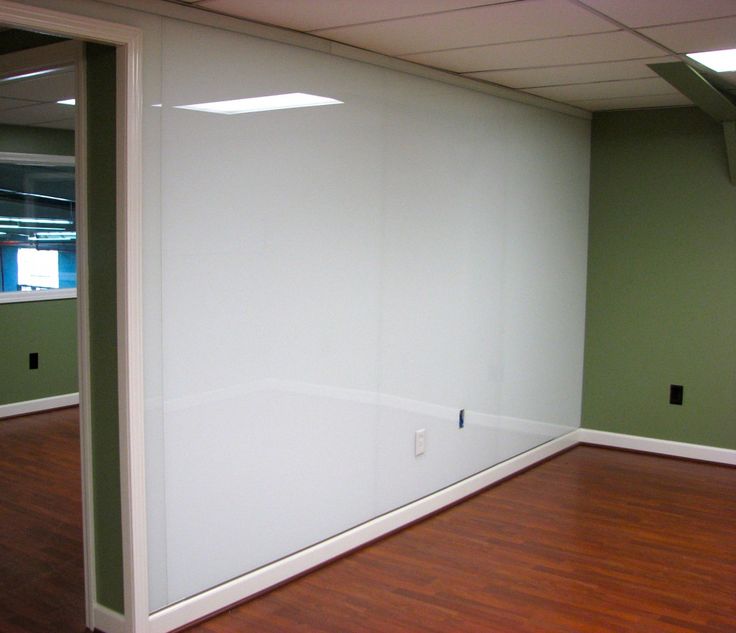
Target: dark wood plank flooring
x=594, y=540
x=41, y=551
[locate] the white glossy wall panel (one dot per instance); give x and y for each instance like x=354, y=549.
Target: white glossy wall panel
x=420, y=250
x=333, y=279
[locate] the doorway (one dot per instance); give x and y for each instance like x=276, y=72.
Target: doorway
x=42, y=562
x=38, y=225
x=111, y=391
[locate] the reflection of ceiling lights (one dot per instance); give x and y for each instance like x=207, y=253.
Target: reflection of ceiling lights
x=71, y=234
x=67, y=102
x=60, y=238
x=29, y=228
x=35, y=220
x=40, y=196
x=262, y=104
x=720, y=61
x=36, y=73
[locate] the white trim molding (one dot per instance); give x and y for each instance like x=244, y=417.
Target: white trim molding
x=218, y=598
x=657, y=446
x=131, y=404
x=38, y=295
x=108, y=620
x=21, y=158
x=40, y=404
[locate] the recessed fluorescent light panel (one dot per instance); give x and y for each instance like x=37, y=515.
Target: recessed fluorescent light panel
x=67, y=102
x=262, y=104
x=720, y=61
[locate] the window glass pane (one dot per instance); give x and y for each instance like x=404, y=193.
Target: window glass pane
x=38, y=238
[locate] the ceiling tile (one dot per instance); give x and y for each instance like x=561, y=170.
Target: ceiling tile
x=9, y=104
x=708, y=35
x=576, y=73
x=35, y=114
x=514, y=21
x=650, y=12
x=627, y=103
x=45, y=88
x=308, y=15
x=600, y=47
x=64, y=124
x=606, y=89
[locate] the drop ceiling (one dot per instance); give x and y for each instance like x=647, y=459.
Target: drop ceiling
x=592, y=54
x=33, y=101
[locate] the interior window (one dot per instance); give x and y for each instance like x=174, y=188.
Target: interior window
x=38, y=238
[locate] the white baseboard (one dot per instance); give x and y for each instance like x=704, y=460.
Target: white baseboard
x=220, y=597
x=107, y=621
x=42, y=404
x=660, y=447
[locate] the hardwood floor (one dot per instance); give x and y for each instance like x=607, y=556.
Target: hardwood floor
x=41, y=555
x=594, y=540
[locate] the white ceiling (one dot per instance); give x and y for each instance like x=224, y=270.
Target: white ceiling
x=32, y=101
x=592, y=54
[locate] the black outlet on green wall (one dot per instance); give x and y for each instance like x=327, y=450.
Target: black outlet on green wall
x=33, y=360
x=676, y=392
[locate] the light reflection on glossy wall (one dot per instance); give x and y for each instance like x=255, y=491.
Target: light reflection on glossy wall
x=335, y=278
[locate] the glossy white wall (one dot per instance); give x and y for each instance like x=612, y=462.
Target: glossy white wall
x=333, y=279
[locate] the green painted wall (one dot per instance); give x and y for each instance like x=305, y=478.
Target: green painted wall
x=36, y=140
x=48, y=328
x=661, y=278
x=101, y=202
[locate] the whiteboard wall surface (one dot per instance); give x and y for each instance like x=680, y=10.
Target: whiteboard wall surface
x=325, y=281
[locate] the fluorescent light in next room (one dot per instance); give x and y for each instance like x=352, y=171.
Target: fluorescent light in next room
x=5, y=218
x=720, y=61
x=261, y=104
x=37, y=73
x=67, y=102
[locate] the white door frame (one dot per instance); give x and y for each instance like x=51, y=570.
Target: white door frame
x=128, y=41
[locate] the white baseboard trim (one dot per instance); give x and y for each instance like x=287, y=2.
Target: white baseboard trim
x=107, y=621
x=41, y=404
x=660, y=447
x=220, y=597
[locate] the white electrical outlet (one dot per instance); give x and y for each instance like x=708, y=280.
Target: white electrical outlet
x=419, y=442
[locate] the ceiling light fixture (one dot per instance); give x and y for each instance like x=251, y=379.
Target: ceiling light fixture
x=40, y=196
x=720, y=61
x=35, y=220
x=20, y=227
x=67, y=102
x=36, y=73
x=60, y=238
x=262, y=104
